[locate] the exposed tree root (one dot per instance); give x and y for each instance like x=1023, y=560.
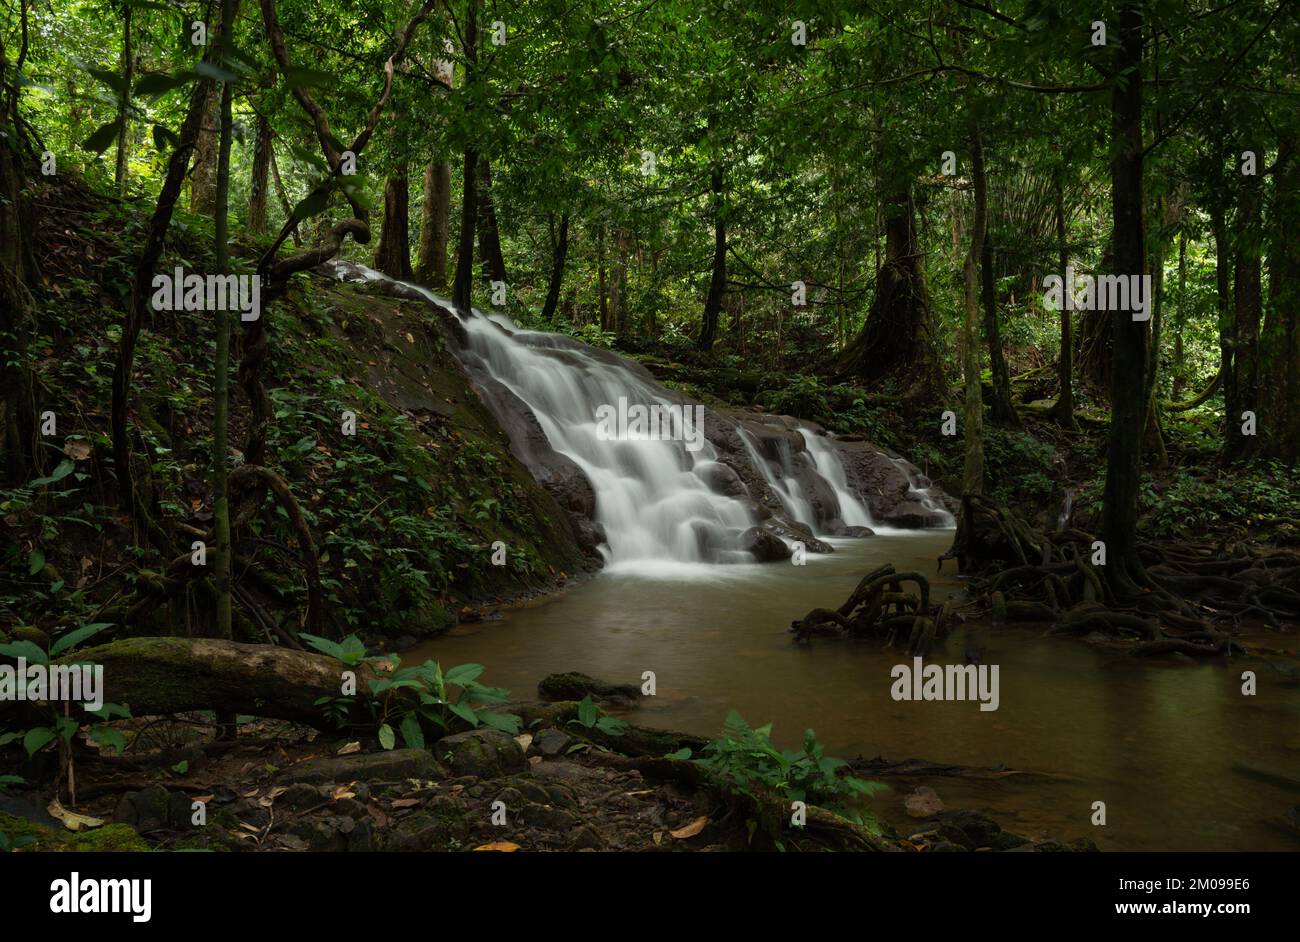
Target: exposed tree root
x=879, y=608
x=1173, y=597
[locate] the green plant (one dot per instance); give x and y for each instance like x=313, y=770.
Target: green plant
x=406, y=700
x=749, y=759
x=589, y=717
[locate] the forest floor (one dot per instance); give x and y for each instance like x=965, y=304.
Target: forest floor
x=285, y=787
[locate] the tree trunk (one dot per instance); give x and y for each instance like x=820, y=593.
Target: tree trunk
x=462, y=291
x=123, y=105
x=973, y=430
x=203, y=176
x=1130, y=338
x=393, y=254
x=1280, y=344
x=618, y=283
x=602, y=279
x=718, y=279
x=1180, y=319
x=1247, y=301
x=489, y=239
x=1223, y=296
x=221, y=388
x=260, y=183
x=19, y=433
x=435, y=226
x=1063, y=411
x=557, y=270
x=897, y=339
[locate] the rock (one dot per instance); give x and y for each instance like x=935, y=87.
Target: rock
x=551, y=742
x=923, y=802
x=485, y=753
x=394, y=765
x=574, y=686
x=300, y=795
x=586, y=839
x=765, y=546
x=973, y=830
x=154, y=809
x=721, y=479
x=552, y=819
x=858, y=532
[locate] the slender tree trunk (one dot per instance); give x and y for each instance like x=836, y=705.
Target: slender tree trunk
x=618, y=283
x=203, y=176
x=602, y=279
x=435, y=215
x=393, y=254
x=973, y=430
x=1130, y=338
x=1223, y=296
x=221, y=387
x=557, y=270
x=124, y=102
x=1247, y=299
x=260, y=182
x=1180, y=319
x=463, y=287
x=435, y=225
x=1063, y=411
x=285, y=205
x=718, y=279
x=1280, y=344
x=489, y=238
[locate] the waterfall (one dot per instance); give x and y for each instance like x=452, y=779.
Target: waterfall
x=919, y=489
x=653, y=498
x=852, y=511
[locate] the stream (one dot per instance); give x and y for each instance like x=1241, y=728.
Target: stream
x=1157, y=743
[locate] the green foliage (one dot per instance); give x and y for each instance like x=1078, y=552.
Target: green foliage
x=411, y=700
x=589, y=717
x=748, y=758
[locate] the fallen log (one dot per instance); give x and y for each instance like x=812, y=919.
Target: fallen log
x=165, y=676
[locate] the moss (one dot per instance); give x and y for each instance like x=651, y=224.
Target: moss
x=116, y=838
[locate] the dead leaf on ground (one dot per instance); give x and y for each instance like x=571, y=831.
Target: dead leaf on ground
x=525, y=740
x=923, y=802
x=350, y=748
x=376, y=812
x=690, y=830
x=407, y=802
x=502, y=846
x=71, y=820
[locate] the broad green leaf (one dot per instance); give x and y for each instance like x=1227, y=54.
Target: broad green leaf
x=387, y=738
x=35, y=562
x=97, y=143
x=25, y=649
x=412, y=733
x=72, y=638
x=38, y=737
x=62, y=471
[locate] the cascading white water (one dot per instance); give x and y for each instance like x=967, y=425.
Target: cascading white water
x=651, y=498
x=852, y=511
x=785, y=487
x=921, y=494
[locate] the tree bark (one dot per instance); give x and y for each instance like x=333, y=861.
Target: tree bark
x=557, y=270
x=1063, y=411
x=124, y=102
x=489, y=238
x=463, y=287
x=718, y=278
x=973, y=431
x=1280, y=344
x=1247, y=301
x=897, y=339
x=393, y=254
x=435, y=214
x=259, y=185
x=1130, y=338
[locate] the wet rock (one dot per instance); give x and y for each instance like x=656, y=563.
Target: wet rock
x=858, y=532
x=552, y=819
x=574, y=686
x=394, y=765
x=923, y=802
x=721, y=479
x=486, y=753
x=764, y=545
x=154, y=809
x=298, y=796
x=973, y=830
x=551, y=742
x=586, y=839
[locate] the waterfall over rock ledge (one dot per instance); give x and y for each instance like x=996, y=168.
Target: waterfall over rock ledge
x=752, y=486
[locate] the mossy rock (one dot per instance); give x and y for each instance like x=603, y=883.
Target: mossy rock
x=112, y=838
